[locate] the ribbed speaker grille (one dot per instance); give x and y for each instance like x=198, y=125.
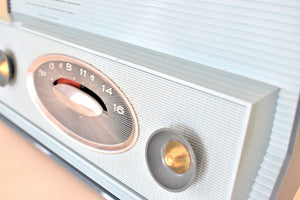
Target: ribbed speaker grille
x=212, y=125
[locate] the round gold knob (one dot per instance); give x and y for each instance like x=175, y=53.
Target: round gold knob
x=171, y=160
x=5, y=70
x=177, y=157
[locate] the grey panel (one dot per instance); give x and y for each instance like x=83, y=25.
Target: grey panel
x=215, y=123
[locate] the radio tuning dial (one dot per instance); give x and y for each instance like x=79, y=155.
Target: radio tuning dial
x=6, y=69
x=83, y=102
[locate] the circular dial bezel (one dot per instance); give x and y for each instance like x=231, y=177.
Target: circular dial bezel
x=105, y=148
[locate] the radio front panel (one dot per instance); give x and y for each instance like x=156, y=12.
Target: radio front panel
x=224, y=135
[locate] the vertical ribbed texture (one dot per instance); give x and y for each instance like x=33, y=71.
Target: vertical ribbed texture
x=257, y=39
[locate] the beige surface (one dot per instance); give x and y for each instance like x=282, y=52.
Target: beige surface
x=26, y=173
x=291, y=181
x=297, y=196
x=3, y=7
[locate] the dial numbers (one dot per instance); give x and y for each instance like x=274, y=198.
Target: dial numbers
x=86, y=78
x=115, y=129
x=107, y=90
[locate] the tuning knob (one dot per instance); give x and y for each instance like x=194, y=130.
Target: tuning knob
x=6, y=69
x=171, y=160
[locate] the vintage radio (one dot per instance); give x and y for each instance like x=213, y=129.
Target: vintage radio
x=157, y=100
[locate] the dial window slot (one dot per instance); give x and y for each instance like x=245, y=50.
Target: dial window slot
x=83, y=89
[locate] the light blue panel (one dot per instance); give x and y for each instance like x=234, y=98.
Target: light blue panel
x=256, y=39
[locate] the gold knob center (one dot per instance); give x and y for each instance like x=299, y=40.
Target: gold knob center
x=177, y=157
x=4, y=68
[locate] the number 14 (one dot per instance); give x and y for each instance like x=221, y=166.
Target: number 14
x=107, y=90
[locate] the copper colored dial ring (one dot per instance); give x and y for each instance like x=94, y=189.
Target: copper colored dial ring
x=114, y=130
